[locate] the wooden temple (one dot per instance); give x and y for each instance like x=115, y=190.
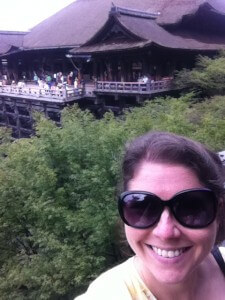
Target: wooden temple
x=132, y=44
x=123, y=52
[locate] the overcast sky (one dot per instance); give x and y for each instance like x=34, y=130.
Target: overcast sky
x=25, y=14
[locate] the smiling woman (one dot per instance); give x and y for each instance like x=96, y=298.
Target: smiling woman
x=173, y=210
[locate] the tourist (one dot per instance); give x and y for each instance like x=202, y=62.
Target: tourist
x=70, y=78
x=35, y=78
x=145, y=79
x=21, y=84
x=76, y=83
x=59, y=78
x=46, y=86
x=172, y=207
x=48, y=80
x=5, y=79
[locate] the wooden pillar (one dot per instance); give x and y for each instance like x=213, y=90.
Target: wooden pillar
x=145, y=65
x=16, y=113
x=101, y=71
x=173, y=66
x=129, y=70
x=108, y=70
x=123, y=70
x=115, y=70
x=95, y=68
x=29, y=109
x=122, y=103
x=15, y=69
x=138, y=98
x=44, y=105
x=4, y=112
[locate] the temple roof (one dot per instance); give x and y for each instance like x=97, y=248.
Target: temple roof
x=141, y=31
x=78, y=22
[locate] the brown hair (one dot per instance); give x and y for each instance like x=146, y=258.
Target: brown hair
x=166, y=147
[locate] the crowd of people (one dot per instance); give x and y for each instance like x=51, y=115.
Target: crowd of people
x=46, y=80
x=51, y=81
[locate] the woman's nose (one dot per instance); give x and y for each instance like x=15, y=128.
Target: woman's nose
x=166, y=228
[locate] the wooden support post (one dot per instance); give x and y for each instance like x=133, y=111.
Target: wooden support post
x=138, y=98
x=95, y=73
x=16, y=114
x=4, y=111
x=123, y=70
x=121, y=103
x=145, y=68
x=45, y=109
x=65, y=93
x=101, y=71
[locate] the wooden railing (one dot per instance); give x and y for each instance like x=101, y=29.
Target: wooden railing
x=66, y=93
x=60, y=94
x=133, y=87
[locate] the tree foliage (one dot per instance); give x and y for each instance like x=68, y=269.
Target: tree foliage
x=208, y=76
x=58, y=190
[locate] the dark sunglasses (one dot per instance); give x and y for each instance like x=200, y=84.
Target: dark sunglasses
x=194, y=208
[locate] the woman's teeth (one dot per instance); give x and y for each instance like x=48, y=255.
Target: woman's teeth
x=168, y=253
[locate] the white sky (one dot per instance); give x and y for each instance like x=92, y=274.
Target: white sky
x=25, y=14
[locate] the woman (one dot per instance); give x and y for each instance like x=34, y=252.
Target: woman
x=173, y=211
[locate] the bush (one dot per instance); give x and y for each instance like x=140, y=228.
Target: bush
x=208, y=76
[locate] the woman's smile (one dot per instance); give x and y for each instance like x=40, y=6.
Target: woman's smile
x=168, y=253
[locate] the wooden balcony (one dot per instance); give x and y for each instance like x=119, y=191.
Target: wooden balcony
x=67, y=94
x=61, y=95
x=137, y=88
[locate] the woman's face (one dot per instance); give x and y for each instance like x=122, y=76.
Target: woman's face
x=188, y=247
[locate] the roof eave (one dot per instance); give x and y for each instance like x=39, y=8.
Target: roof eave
x=51, y=47
x=37, y=49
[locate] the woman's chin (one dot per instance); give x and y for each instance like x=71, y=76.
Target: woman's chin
x=171, y=278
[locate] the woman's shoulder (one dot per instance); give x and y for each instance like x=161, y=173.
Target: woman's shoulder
x=120, y=282
x=110, y=284
x=115, y=274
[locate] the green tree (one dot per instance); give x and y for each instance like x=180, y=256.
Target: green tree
x=58, y=206
x=208, y=76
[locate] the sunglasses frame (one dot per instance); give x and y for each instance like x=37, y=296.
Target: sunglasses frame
x=168, y=203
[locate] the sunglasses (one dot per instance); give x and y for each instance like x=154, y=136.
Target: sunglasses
x=193, y=208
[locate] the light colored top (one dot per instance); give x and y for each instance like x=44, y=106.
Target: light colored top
x=121, y=283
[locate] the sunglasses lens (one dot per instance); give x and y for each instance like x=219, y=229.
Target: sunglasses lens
x=140, y=210
x=195, y=209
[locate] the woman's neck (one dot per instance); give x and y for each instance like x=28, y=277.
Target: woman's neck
x=190, y=288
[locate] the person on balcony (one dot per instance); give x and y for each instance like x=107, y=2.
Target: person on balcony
x=70, y=78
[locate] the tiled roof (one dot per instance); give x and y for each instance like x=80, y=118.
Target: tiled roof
x=77, y=23
x=148, y=32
